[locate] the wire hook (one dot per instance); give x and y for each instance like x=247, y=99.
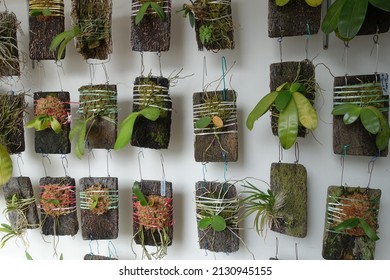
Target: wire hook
x=65, y=164
x=109, y=156
x=139, y=163
x=19, y=158
x=163, y=181
x=204, y=72
x=224, y=69
x=371, y=165
x=43, y=162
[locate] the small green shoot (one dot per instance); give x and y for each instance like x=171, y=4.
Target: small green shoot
x=43, y=122
x=357, y=222
x=139, y=195
x=216, y=222
x=145, y=7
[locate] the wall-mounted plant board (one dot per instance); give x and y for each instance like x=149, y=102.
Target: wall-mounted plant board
x=9, y=60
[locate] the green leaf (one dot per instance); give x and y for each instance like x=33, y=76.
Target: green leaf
x=295, y=87
x=203, y=122
x=94, y=203
x=347, y=224
x=191, y=18
x=151, y=113
x=61, y=40
x=370, y=232
x=351, y=18
x=141, y=12
x=342, y=109
x=283, y=86
x=28, y=256
x=381, y=4
x=46, y=12
x=314, y=3
x=6, y=228
x=55, y=125
x=282, y=100
x=79, y=132
x=139, y=195
x=218, y=223
x=306, y=113
x=370, y=120
x=205, y=222
x=330, y=21
x=5, y=166
x=61, y=258
x=352, y=115
x=159, y=10
x=281, y=2
x=205, y=33
x=288, y=125
x=260, y=109
x=383, y=136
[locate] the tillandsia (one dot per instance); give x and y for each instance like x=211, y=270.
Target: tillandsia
x=49, y=113
x=153, y=214
x=312, y=3
x=150, y=7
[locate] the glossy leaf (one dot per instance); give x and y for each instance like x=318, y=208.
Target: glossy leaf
x=383, y=136
x=62, y=39
x=151, y=113
x=368, y=230
x=80, y=132
x=352, y=115
x=370, y=120
x=283, y=86
x=218, y=223
x=295, y=87
x=260, y=109
x=205, y=222
x=330, y=21
x=55, y=125
x=342, y=109
x=288, y=125
x=314, y=3
x=141, y=12
x=159, y=10
x=381, y=4
x=5, y=166
x=203, y=122
x=28, y=256
x=139, y=195
x=306, y=113
x=347, y=224
x=282, y=100
x=351, y=18
x=281, y=2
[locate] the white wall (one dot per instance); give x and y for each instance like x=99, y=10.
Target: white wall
x=253, y=54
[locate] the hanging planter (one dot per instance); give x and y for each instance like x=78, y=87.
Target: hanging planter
x=58, y=206
x=290, y=101
x=153, y=217
x=293, y=18
x=217, y=208
x=150, y=94
x=351, y=223
x=213, y=23
x=215, y=126
x=46, y=20
x=97, y=125
x=92, y=257
x=360, y=115
x=9, y=59
x=12, y=109
x=289, y=180
x=21, y=210
x=150, y=25
x=99, y=200
x=51, y=122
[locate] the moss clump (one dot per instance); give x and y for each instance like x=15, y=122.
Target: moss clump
x=57, y=200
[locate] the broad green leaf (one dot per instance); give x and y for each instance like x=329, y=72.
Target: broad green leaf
x=306, y=113
x=31, y=124
x=351, y=18
x=295, y=87
x=281, y=2
x=370, y=120
x=139, y=195
x=5, y=166
x=381, y=4
x=58, y=39
x=80, y=141
x=205, y=222
x=347, y=224
x=330, y=21
x=283, y=86
x=370, y=232
x=46, y=12
x=75, y=130
x=159, y=10
x=382, y=137
x=352, y=115
x=218, y=223
x=203, y=122
x=141, y=12
x=28, y=256
x=151, y=113
x=314, y=3
x=342, y=109
x=35, y=12
x=288, y=125
x=126, y=131
x=282, y=100
x=260, y=109
x=55, y=125
x=6, y=228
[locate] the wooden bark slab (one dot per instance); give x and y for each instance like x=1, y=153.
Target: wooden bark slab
x=95, y=15
x=9, y=41
x=62, y=225
x=290, y=179
x=294, y=19
x=221, y=26
x=350, y=245
x=287, y=72
x=354, y=139
x=151, y=238
x=100, y=100
x=99, y=226
x=22, y=188
x=376, y=21
x=42, y=31
x=152, y=91
x=92, y=257
x=47, y=141
x=152, y=34
x=214, y=144
x=14, y=140
x=226, y=241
